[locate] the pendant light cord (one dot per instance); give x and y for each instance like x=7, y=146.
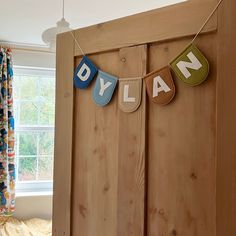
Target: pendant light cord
x=63, y=9
x=71, y=32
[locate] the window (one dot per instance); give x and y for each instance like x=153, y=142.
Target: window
x=34, y=111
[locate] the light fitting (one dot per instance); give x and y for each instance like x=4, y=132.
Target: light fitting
x=49, y=35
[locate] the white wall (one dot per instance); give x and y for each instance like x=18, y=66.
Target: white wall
x=33, y=207
x=30, y=18
x=33, y=59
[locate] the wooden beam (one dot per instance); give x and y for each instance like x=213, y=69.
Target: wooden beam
x=226, y=117
x=63, y=136
x=131, y=214
x=171, y=22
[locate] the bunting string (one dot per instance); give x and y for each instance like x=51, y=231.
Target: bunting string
x=207, y=20
x=77, y=43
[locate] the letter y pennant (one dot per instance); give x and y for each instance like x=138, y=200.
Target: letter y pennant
x=104, y=88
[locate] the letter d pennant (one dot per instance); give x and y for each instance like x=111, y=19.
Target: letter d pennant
x=191, y=66
x=104, y=88
x=84, y=73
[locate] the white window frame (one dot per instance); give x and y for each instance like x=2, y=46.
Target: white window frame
x=33, y=187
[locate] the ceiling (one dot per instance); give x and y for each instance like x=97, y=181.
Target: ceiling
x=23, y=21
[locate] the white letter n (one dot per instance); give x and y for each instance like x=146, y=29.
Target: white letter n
x=194, y=64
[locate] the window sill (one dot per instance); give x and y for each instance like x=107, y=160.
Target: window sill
x=34, y=194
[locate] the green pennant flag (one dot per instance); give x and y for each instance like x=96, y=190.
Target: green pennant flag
x=191, y=66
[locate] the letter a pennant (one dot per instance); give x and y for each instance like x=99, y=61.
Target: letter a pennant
x=191, y=66
x=130, y=94
x=160, y=86
x=104, y=88
x=84, y=73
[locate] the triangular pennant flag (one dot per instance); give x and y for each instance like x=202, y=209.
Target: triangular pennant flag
x=191, y=66
x=104, y=88
x=160, y=86
x=84, y=73
x=130, y=94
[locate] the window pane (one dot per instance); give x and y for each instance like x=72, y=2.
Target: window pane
x=47, y=113
x=45, y=168
x=16, y=112
x=16, y=87
x=46, y=143
x=28, y=87
x=27, y=144
x=47, y=89
x=34, y=110
x=28, y=113
x=27, y=168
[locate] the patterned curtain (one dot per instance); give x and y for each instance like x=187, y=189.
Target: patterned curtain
x=7, y=154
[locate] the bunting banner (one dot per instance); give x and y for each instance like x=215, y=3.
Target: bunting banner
x=160, y=86
x=130, y=94
x=84, y=73
x=191, y=66
x=104, y=88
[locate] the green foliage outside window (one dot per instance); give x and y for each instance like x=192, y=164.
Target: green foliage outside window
x=34, y=108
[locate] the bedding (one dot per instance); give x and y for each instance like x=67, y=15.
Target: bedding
x=33, y=227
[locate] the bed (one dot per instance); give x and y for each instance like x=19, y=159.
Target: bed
x=33, y=227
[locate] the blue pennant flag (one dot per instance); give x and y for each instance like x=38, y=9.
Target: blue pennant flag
x=104, y=88
x=84, y=73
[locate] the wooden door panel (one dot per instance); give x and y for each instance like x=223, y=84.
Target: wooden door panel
x=108, y=175
x=132, y=150
x=181, y=151
x=94, y=189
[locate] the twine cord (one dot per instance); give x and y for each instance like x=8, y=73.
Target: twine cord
x=207, y=20
x=77, y=43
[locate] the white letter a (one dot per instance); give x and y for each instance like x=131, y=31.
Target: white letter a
x=163, y=86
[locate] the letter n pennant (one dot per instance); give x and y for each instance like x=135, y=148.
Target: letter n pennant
x=130, y=94
x=191, y=66
x=104, y=88
x=84, y=73
x=160, y=86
